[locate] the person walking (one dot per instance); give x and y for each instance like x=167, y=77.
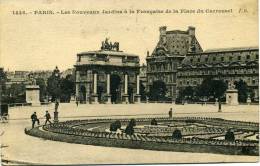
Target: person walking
x=47, y=117
x=170, y=113
x=34, y=119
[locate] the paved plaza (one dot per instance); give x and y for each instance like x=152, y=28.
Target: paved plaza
x=21, y=148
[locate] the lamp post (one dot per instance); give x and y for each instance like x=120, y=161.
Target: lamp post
x=57, y=77
x=56, y=118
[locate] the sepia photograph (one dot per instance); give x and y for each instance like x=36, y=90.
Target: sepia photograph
x=125, y=82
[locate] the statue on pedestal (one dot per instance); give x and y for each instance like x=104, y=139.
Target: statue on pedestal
x=231, y=85
x=31, y=79
x=231, y=94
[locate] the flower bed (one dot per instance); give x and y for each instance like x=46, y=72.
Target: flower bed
x=78, y=131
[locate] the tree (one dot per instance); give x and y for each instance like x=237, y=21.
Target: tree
x=229, y=136
x=53, y=87
x=157, y=91
x=115, y=125
x=186, y=93
x=132, y=122
x=130, y=127
x=2, y=83
x=154, y=122
x=177, y=134
x=43, y=88
x=129, y=130
x=53, y=84
x=219, y=88
x=15, y=94
x=67, y=87
x=243, y=90
x=211, y=88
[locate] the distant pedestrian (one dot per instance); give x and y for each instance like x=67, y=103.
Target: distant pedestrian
x=219, y=106
x=77, y=102
x=34, y=119
x=47, y=117
x=170, y=113
x=56, y=106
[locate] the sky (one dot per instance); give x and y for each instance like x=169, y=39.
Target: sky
x=40, y=42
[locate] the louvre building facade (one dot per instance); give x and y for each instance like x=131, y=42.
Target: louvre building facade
x=179, y=61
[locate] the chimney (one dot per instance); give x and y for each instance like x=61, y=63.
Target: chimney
x=162, y=30
x=191, y=30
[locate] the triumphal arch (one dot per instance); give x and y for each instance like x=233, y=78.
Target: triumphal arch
x=107, y=75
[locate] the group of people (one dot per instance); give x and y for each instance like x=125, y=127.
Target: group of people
x=35, y=118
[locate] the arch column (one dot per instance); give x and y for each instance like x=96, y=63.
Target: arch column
x=108, y=89
x=77, y=85
x=125, y=96
x=77, y=91
x=138, y=96
x=94, y=95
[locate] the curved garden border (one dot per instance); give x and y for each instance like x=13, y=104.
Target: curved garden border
x=68, y=132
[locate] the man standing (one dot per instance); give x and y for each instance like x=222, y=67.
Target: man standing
x=48, y=117
x=170, y=113
x=34, y=119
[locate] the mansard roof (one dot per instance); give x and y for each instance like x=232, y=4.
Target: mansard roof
x=176, y=32
x=232, y=49
x=177, y=42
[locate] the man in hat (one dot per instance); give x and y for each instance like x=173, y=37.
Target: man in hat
x=47, y=117
x=34, y=119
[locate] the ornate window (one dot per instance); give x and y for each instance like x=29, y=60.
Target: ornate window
x=253, y=81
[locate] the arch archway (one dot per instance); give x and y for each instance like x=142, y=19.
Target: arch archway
x=82, y=94
x=100, y=92
x=115, y=88
x=131, y=94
